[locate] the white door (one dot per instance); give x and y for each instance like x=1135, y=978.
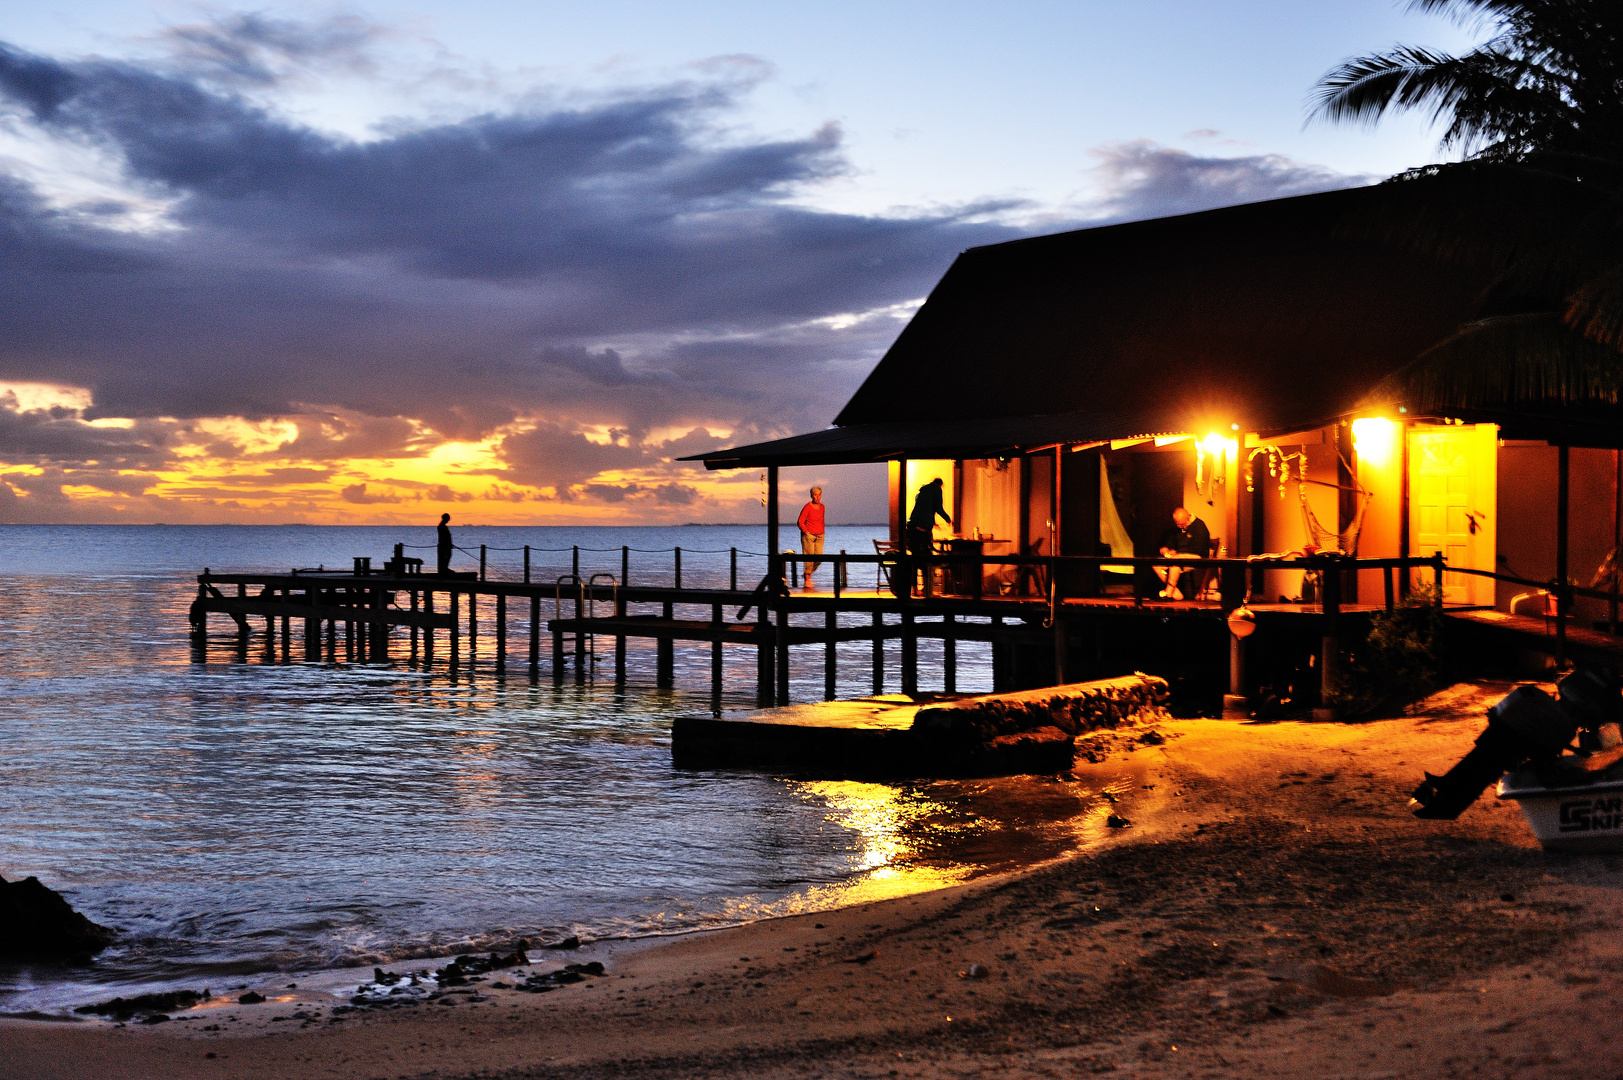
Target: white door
x=1452, y=503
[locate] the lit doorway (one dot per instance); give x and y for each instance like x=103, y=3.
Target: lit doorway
x=1453, y=496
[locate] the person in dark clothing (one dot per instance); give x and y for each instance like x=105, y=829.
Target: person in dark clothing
x=445, y=543
x=921, y=522
x=1187, y=539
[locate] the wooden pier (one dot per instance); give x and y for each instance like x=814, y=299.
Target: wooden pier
x=575, y=628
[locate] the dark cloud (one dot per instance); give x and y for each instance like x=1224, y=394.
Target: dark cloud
x=462, y=274
x=357, y=493
x=625, y=262
x=1145, y=180
x=257, y=50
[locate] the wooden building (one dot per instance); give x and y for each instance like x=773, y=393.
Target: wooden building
x=1246, y=363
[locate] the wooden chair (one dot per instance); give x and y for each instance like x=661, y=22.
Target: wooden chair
x=1198, y=581
x=887, y=550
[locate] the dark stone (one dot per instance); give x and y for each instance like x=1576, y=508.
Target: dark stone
x=570, y=942
x=156, y=1018
x=37, y=924
x=251, y=998
x=152, y=1004
x=1116, y=822
x=452, y=974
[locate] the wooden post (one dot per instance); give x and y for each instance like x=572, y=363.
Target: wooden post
x=481, y=573
x=428, y=631
x=665, y=667
x=574, y=562
x=625, y=567
x=1391, y=600
x=1330, y=655
x=557, y=656
x=414, y=609
x=783, y=649
x=774, y=562
x=910, y=654
x=456, y=631
x=382, y=640
x=1231, y=590
x=619, y=644
x=878, y=652
x=501, y=631
x=716, y=626
x=473, y=627
x=678, y=575
x=580, y=615
x=1617, y=535
x=526, y=564
x=949, y=653
x=830, y=659
x=765, y=650
x=287, y=627
x=312, y=628
x=733, y=568
x=535, y=635
x=1563, y=595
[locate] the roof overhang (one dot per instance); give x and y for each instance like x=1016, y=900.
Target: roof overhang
x=952, y=439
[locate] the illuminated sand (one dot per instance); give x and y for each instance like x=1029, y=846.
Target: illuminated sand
x=1272, y=912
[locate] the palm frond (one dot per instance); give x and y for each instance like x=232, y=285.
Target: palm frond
x=1512, y=363
x=1596, y=309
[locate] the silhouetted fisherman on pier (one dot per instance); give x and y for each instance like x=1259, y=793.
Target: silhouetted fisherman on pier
x=445, y=544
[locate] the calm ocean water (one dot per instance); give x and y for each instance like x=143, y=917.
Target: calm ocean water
x=235, y=816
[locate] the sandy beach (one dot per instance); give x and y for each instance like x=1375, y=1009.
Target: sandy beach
x=1272, y=911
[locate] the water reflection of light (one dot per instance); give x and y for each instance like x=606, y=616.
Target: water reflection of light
x=893, y=829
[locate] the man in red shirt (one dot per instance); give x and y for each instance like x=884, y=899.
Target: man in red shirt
x=811, y=531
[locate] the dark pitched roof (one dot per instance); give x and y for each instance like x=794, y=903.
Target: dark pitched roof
x=1273, y=315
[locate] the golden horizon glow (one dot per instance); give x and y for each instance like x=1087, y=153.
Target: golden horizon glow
x=293, y=470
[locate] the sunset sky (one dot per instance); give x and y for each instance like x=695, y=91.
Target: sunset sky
x=365, y=264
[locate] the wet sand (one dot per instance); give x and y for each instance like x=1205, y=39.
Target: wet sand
x=1273, y=911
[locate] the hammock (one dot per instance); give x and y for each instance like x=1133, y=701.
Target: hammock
x=1326, y=541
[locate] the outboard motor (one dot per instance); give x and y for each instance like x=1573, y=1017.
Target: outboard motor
x=1526, y=725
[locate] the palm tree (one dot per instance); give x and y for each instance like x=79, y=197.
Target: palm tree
x=1536, y=111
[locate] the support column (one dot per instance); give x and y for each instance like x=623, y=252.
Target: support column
x=619, y=645
x=716, y=626
x=765, y=651
x=774, y=562
x=879, y=652
x=830, y=659
x=665, y=666
x=949, y=654
x=501, y=631
x=428, y=631
x=1563, y=595
x=456, y=630
x=414, y=634
x=783, y=651
x=910, y=654
x=535, y=635
x=1330, y=656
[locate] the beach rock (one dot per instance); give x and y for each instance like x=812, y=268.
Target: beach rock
x=251, y=998
x=1115, y=821
x=37, y=924
x=149, y=1004
x=1074, y=708
x=570, y=942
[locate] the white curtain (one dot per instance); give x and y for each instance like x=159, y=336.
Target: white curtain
x=1111, y=530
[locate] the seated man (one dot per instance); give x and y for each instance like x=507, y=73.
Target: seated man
x=1187, y=539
